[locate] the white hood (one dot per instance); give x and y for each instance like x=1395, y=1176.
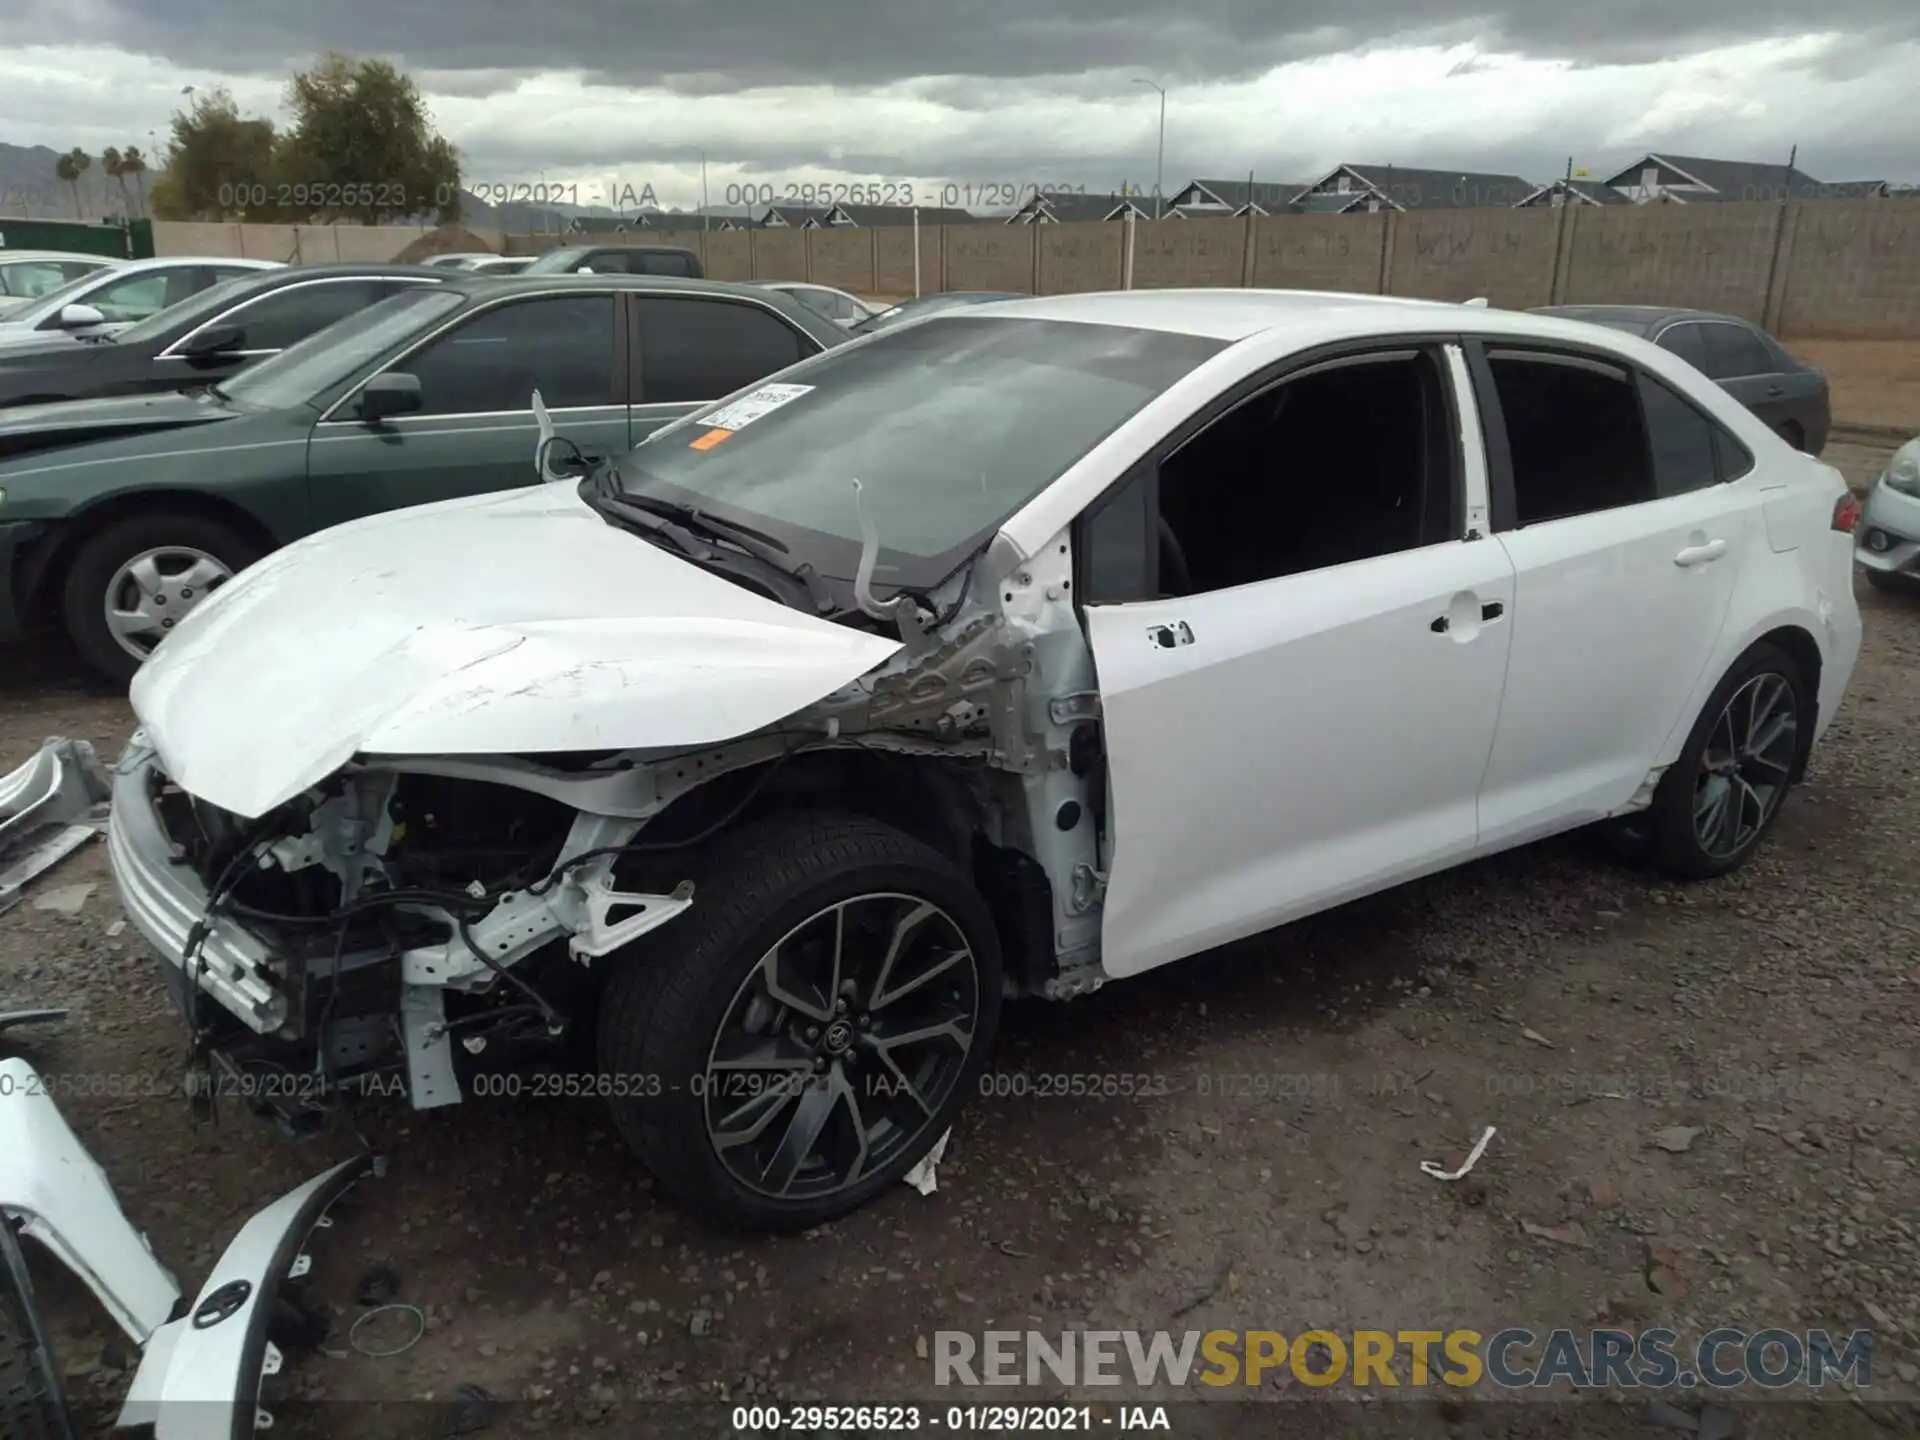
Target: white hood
x=508, y=623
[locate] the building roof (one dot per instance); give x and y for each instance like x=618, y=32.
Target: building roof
x=1270, y=196
x=869, y=217
x=793, y=215
x=1582, y=192
x=1063, y=208
x=1333, y=203
x=1694, y=178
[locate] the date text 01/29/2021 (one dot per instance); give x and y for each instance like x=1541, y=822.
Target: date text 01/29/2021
x=953, y=1419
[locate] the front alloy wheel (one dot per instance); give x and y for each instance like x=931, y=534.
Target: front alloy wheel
x=845, y=1039
x=804, y=1035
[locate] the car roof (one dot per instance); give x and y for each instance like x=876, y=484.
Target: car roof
x=514, y=284
x=1310, y=316
x=156, y=262
x=9, y=257
x=1648, y=315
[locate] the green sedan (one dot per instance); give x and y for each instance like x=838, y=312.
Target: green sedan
x=117, y=516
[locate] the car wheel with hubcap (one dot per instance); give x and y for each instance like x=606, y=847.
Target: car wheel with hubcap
x=131, y=583
x=805, y=1034
x=1713, y=804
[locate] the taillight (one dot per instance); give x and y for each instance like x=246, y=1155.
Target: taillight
x=1846, y=513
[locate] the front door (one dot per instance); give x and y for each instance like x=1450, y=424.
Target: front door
x=475, y=431
x=1282, y=742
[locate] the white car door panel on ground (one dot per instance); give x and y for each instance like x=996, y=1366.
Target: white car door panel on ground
x=1279, y=742
x=1621, y=593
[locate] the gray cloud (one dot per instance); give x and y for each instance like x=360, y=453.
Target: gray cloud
x=866, y=42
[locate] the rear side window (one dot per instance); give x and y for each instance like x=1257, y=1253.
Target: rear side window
x=664, y=263
x=1733, y=352
x=1686, y=342
x=1681, y=440
x=561, y=346
x=697, y=350
x=276, y=321
x=1574, y=435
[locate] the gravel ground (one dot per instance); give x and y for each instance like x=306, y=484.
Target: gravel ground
x=1765, y=1027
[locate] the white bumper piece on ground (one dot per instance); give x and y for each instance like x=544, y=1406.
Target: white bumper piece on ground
x=202, y=1365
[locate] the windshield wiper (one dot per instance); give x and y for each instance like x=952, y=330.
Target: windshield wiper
x=703, y=539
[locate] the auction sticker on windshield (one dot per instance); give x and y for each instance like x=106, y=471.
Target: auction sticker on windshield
x=750, y=407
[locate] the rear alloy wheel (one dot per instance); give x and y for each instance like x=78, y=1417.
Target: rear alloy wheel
x=131, y=584
x=1714, y=804
x=809, y=1030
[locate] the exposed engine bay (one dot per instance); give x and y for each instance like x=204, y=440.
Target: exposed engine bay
x=424, y=919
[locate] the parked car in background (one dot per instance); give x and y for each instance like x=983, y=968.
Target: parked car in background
x=204, y=338
x=922, y=306
x=111, y=299
x=993, y=654
x=1888, y=538
x=1743, y=359
x=481, y=262
x=457, y=260
x=617, y=260
x=28, y=274
x=118, y=516
x=838, y=306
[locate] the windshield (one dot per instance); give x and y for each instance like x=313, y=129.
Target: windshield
x=307, y=367
x=949, y=426
x=191, y=311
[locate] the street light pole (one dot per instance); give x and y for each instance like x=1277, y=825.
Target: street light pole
x=1160, y=158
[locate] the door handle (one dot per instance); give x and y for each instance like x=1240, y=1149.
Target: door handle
x=1700, y=554
x=1492, y=610
x=1776, y=389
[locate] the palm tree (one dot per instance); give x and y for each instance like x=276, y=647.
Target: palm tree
x=70, y=167
x=133, y=163
x=112, y=166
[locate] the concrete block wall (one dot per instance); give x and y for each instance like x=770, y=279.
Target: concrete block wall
x=1714, y=257
x=1842, y=269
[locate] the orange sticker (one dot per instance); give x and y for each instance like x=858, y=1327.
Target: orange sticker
x=710, y=439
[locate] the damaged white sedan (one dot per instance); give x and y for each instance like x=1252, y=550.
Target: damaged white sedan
x=1029, y=647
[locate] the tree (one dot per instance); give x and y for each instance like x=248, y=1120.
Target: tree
x=133, y=163
x=219, y=164
x=70, y=167
x=114, y=168
x=362, y=146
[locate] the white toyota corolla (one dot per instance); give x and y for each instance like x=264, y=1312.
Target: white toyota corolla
x=1013, y=652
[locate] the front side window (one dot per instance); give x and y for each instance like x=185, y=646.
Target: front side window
x=1344, y=463
x=31, y=279
x=696, y=350
x=303, y=373
x=284, y=317
x=950, y=426
x=1687, y=342
x=561, y=346
x=133, y=297
x=1574, y=435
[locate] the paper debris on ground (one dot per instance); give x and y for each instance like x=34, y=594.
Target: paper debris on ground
x=921, y=1176
x=1439, y=1172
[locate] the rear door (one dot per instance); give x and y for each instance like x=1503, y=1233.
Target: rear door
x=475, y=431
x=1626, y=548
x=688, y=350
x=1741, y=363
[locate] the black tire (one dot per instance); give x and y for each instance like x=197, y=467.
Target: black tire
x=664, y=1007
x=1674, y=841
x=99, y=559
x=1890, y=584
x=33, y=1402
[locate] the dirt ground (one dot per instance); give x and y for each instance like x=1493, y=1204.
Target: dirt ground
x=1875, y=382
x=1269, y=1180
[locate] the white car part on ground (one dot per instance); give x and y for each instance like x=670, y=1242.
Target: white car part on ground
x=201, y=1367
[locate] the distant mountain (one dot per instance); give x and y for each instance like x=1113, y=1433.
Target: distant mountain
x=30, y=190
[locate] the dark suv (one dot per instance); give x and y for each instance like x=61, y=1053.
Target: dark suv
x=617, y=260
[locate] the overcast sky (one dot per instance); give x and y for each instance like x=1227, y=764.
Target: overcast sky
x=597, y=93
